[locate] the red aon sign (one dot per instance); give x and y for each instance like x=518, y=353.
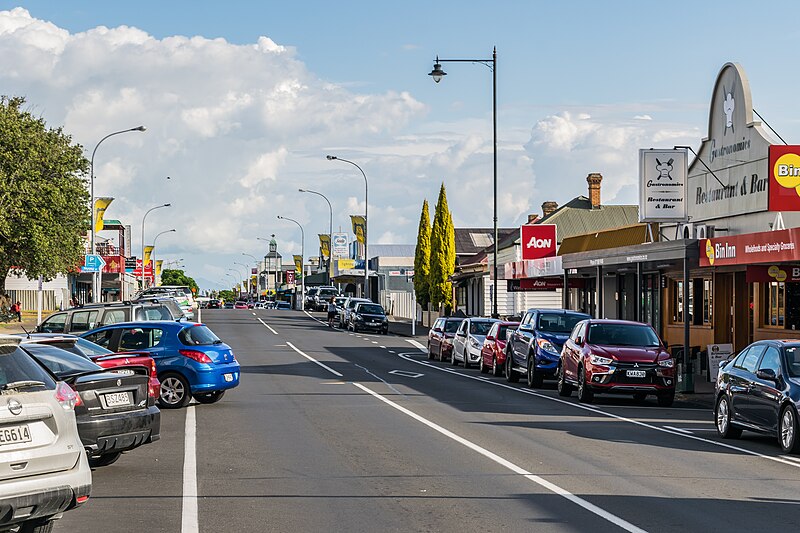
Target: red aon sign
x=538, y=241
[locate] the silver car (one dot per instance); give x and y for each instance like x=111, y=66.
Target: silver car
x=469, y=339
x=43, y=466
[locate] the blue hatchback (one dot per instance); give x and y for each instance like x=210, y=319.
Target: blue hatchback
x=191, y=361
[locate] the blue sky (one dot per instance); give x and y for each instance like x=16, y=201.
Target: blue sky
x=581, y=86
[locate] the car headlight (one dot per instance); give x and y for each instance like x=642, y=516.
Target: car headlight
x=357, y=316
x=547, y=346
x=474, y=342
x=597, y=360
x=666, y=363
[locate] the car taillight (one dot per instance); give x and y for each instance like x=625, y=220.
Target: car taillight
x=200, y=357
x=68, y=398
x=153, y=371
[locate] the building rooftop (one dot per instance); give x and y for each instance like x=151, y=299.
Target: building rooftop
x=470, y=241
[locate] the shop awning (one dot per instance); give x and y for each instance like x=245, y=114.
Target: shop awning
x=611, y=238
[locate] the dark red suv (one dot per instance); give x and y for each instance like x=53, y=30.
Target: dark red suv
x=440, y=338
x=616, y=356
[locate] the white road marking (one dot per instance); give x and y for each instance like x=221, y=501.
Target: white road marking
x=374, y=342
x=315, y=318
x=777, y=459
x=392, y=351
x=254, y=314
x=686, y=431
x=189, y=517
x=417, y=345
x=268, y=326
x=323, y=365
x=384, y=347
x=602, y=513
x=405, y=373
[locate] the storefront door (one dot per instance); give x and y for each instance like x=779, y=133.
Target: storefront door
x=651, y=300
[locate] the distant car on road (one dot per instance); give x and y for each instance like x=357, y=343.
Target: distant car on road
x=240, y=305
x=347, y=307
x=469, y=338
x=213, y=304
x=368, y=316
x=228, y=305
x=440, y=337
x=323, y=296
x=259, y=305
x=493, y=352
x=283, y=305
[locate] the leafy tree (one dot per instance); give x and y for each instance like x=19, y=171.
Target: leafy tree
x=443, y=253
x=226, y=295
x=422, y=257
x=44, y=201
x=177, y=277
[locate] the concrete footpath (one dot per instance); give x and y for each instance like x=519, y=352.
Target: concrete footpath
x=402, y=327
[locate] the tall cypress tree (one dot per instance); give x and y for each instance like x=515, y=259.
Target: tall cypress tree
x=443, y=253
x=422, y=257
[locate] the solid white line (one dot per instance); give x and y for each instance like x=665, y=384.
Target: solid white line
x=409, y=357
x=267, y=326
x=417, y=345
x=686, y=431
x=602, y=513
x=323, y=365
x=315, y=318
x=384, y=347
x=189, y=520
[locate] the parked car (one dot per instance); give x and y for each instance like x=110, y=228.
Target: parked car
x=323, y=296
x=309, y=302
x=283, y=305
x=493, y=352
x=240, y=304
x=259, y=305
x=191, y=361
x=616, y=356
x=213, y=304
x=339, y=302
x=115, y=413
x=228, y=305
x=347, y=308
x=182, y=293
x=368, y=316
x=40, y=433
x=90, y=316
x=534, y=348
x=759, y=390
x=468, y=340
x=440, y=338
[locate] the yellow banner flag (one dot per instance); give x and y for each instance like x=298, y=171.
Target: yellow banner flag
x=159, y=262
x=325, y=245
x=148, y=250
x=298, y=263
x=100, y=206
x=359, y=227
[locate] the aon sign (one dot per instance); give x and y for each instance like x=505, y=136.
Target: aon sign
x=538, y=241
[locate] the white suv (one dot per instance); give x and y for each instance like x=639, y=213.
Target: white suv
x=43, y=467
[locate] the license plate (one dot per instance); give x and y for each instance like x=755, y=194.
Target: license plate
x=636, y=373
x=228, y=377
x=117, y=399
x=15, y=434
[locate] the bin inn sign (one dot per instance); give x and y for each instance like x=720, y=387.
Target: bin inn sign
x=749, y=248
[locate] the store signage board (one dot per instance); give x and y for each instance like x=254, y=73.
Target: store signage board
x=716, y=354
x=790, y=273
x=784, y=178
x=93, y=263
x=340, y=245
x=538, y=241
x=662, y=185
x=749, y=248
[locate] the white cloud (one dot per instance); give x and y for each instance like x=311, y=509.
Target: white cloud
x=643, y=117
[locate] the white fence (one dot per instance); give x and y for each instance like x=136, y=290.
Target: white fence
x=398, y=303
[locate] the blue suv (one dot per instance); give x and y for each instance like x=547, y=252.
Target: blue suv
x=535, y=347
x=190, y=360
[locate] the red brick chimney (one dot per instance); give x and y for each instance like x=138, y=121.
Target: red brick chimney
x=594, y=179
x=548, y=208
x=532, y=218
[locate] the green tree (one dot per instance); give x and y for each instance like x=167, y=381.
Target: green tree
x=44, y=202
x=177, y=277
x=226, y=295
x=443, y=253
x=422, y=257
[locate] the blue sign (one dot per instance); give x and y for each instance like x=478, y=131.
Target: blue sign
x=93, y=263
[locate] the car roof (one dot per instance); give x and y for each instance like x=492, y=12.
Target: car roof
x=150, y=323
x=559, y=311
x=481, y=319
x=616, y=321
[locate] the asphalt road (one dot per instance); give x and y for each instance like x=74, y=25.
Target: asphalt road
x=331, y=431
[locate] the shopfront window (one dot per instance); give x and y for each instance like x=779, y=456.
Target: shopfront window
x=707, y=301
x=775, y=304
x=677, y=302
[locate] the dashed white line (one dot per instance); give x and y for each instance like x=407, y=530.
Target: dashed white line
x=323, y=365
x=602, y=513
x=268, y=326
x=685, y=431
x=384, y=347
x=189, y=516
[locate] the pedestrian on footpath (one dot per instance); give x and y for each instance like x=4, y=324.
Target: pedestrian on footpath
x=331, y=311
x=17, y=310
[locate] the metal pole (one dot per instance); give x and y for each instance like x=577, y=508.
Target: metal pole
x=302, y=260
x=330, y=232
x=494, y=134
x=153, y=253
x=688, y=382
x=143, y=221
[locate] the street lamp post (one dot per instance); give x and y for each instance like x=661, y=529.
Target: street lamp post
x=255, y=261
x=437, y=74
x=143, y=220
x=366, y=221
x=153, y=253
x=232, y=278
x=246, y=274
x=330, y=232
x=241, y=282
x=302, y=261
x=96, y=276
x=266, y=269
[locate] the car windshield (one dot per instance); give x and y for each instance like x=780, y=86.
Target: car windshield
x=558, y=322
x=793, y=360
x=372, y=309
x=451, y=326
x=502, y=331
x=17, y=366
x=480, y=328
x=198, y=336
x=622, y=335
x=60, y=362
x=89, y=348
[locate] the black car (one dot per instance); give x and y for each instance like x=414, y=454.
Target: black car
x=214, y=304
x=368, y=316
x=759, y=390
x=116, y=413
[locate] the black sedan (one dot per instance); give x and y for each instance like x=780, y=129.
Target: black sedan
x=759, y=390
x=116, y=413
x=368, y=316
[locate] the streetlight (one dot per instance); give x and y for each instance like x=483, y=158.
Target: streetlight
x=437, y=74
x=153, y=254
x=246, y=274
x=256, y=263
x=366, y=221
x=330, y=232
x=241, y=282
x=96, y=276
x=302, y=261
x=143, y=220
x=266, y=272
x=232, y=279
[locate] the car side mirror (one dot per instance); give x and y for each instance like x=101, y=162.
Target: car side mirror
x=490, y=338
x=579, y=341
x=767, y=374
x=437, y=330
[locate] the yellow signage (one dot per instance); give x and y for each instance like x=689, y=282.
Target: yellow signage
x=100, y=206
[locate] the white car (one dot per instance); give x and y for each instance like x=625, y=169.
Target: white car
x=259, y=305
x=43, y=467
x=469, y=339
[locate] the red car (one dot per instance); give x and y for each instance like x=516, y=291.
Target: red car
x=440, y=338
x=616, y=356
x=240, y=305
x=493, y=352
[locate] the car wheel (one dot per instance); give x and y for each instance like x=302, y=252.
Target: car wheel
x=441, y=358
x=355, y=328
x=175, y=392
x=535, y=380
x=495, y=372
x=585, y=395
x=453, y=357
x=787, y=430
x=511, y=376
x=722, y=417
x=639, y=396
x=430, y=353
x=43, y=525
x=564, y=388
x=666, y=400
x=466, y=359
x=104, y=460
x=209, y=397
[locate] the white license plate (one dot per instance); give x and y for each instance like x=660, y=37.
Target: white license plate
x=636, y=373
x=15, y=434
x=117, y=399
x=228, y=377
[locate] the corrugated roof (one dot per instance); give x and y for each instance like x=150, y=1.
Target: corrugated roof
x=577, y=217
x=610, y=238
x=392, y=250
x=470, y=241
